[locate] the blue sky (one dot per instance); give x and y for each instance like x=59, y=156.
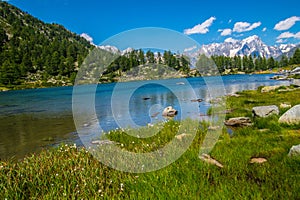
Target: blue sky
x=206, y=21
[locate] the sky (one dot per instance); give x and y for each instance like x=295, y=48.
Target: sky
x=275, y=22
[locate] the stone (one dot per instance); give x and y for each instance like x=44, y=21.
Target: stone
x=206, y=158
x=270, y=88
x=179, y=137
x=238, y=121
x=265, y=111
x=292, y=116
x=169, y=112
x=196, y=100
x=294, y=151
x=258, y=160
x=102, y=142
x=285, y=105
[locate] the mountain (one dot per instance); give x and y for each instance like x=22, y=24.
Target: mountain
x=33, y=52
x=252, y=45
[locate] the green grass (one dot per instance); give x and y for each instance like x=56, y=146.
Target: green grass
x=69, y=172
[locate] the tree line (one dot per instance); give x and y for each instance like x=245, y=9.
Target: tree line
x=254, y=63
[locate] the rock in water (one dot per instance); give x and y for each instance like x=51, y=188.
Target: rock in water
x=265, y=111
x=294, y=151
x=169, y=112
x=292, y=116
x=238, y=121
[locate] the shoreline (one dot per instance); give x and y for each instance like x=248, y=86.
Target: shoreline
x=26, y=87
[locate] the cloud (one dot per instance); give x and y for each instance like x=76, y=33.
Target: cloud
x=280, y=41
x=229, y=21
x=225, y=32
x=245, y=26
x=87, y=37
x=230, y=39
x=288, y=35
x=264, y=29
x=200, y=28
x=286, y=24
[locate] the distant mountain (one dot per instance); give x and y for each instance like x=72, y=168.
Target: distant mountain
x=252, y=45
x=33, y=52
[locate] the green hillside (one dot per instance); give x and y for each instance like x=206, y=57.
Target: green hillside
x=37, y=54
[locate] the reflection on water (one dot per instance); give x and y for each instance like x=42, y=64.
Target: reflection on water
x=33, y=119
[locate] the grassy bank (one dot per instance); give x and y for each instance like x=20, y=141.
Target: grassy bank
x=69, y=172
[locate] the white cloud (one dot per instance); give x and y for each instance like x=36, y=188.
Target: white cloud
x=229, y=21
x=286, y=24
x=245, y=26
x=230, y=39
x=200, y=28
x=288, y=35
x=264, y=29
x=225, y=32
x=87, y=37
x=280, y=41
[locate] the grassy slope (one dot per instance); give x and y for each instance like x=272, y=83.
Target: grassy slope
x=73, y=173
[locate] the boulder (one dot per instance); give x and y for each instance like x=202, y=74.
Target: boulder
x=238, y=121
x=294, y=151
x=265, y=111
x=292, y=116
x=169, y=112
x=296, y=82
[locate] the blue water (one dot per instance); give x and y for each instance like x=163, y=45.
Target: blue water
x=27, y=117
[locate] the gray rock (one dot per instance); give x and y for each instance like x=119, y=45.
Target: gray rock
x=296, y=82
x=294, y=151
x=238, y=121
x=169, y=112
x=292, y=116
x=265, y=111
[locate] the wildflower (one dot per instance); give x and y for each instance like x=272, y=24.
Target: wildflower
x=99, y=191
x=121, y=186
x=56, y=174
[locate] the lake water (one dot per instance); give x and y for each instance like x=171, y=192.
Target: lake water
x=38, y=118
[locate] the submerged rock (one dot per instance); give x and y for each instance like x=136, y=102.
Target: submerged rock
x=265, y=111
x=169, y=112
x=294, y=151
x=238, y=121
x=292, y=116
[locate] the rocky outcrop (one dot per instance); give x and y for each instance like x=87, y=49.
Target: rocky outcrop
x=265, y=111
x=292, y=116
x=238, y=121
x=169, y=112
x=294, y=151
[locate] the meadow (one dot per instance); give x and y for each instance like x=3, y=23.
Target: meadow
x=71, y=172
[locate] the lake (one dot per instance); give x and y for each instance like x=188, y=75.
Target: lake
x=31, y=120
